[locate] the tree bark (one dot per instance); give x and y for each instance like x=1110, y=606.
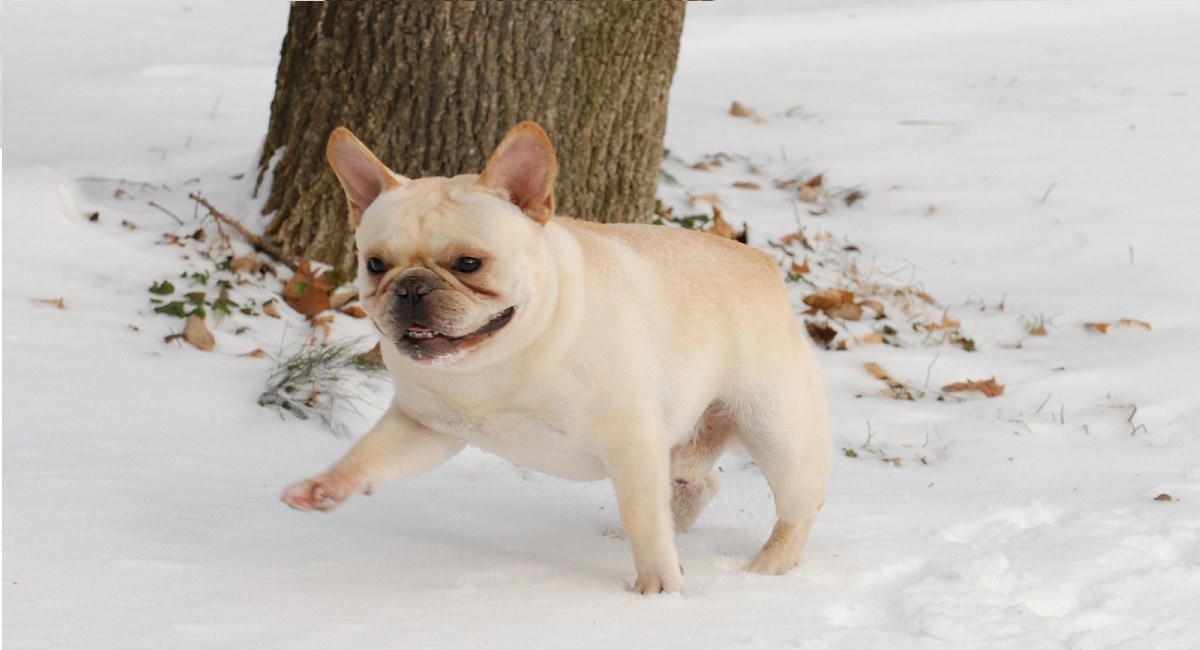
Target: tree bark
x=431, y=87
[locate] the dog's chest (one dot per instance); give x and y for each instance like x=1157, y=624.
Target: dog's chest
x=529, y=440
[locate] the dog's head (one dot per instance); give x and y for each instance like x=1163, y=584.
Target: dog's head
x=448, y=266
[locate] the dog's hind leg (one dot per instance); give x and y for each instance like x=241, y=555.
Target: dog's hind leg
x=787, y=436
x=694, y=481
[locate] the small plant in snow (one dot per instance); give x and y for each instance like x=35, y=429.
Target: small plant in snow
x=318, y=380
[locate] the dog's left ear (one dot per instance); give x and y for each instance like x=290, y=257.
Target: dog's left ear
x=523, y=169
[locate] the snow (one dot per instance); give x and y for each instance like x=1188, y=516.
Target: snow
x=1055, y=142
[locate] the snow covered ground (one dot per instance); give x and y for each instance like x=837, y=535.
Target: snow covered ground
x=1021, y=162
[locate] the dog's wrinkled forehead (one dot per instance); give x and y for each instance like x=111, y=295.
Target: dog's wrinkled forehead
x=428, y=215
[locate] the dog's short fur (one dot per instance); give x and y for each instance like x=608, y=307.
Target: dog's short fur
x=629, y=352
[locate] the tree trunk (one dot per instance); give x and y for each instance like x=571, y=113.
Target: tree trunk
x=431, y=87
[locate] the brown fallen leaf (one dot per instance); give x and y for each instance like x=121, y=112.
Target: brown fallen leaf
x=829, y=298
x=196, y=333
x=809, y=194
x=720, y=227
x=1124, y=322
x=270, y=309
x=711, y=198
x=897, y=388
x=988, y=387
x=93, y=217
x=354, y=311
x=747, y=185
x=702, y=166
x=1040, y=330
x=874, y=338
x=875, y=306
x=1164, y=497
x=947, y=323
x=797, y=237
x=308, y=291
x=129, y=224
x=248, y=263
x=801, y=268
x=815, y=181
x=372, y=357
x=821, y=332
x=256, y=353
x=877, y=371
x=52, y=302
x=322, y=325
x=853, y=197
x=844, y=311
x=926, y=298
x=737, y=109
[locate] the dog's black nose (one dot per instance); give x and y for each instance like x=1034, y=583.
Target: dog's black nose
x=413, y=288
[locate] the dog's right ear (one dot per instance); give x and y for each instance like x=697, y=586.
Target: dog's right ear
x=362, y=176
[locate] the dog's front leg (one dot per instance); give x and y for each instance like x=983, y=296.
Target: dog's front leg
x=638, y=462
x=396, y=447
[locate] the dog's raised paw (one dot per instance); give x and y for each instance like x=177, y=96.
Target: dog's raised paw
x=319, y=493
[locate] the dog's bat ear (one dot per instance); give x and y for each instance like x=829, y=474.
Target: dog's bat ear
x=523, y=169
x=362, y=176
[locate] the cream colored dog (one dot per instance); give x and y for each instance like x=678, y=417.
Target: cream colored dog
x=632, y=352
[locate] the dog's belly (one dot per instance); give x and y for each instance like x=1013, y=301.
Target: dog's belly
x=573, y=464
x=534, y=444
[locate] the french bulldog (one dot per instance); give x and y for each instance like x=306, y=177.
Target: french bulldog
x=636, y=353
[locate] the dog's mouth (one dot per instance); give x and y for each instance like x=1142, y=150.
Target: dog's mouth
x=425, y=344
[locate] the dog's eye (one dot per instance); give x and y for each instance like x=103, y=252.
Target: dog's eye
x=376, y=265
x=468, y=264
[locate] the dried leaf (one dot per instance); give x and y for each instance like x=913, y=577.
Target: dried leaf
x=815, y=181
x=829, y=298
x=947, y=323
x=988, y=387
x=879, y=373
x=129, y=224
x=372, y=357
x=747, y=185
x=1164, y=497
x=874, y=338
x=308, y=292
x=720, y=227
x=875, y=306
x=821, y=332
x=93, y=217
x=853, y=197
x=797, y=237
x=270, y=309
x=707, y=197
x=702, y=166
x=248, y=263
x=196, y=333
x=928, y=299
x=354, y=311
x=256, y=353
x=1130, y=322
x=801, y=268
x=1097, y=327
x=322, y=325
x=53, y=302
x=1040, y=330
x=809, y=194
x=737, y=109
x=845, y=311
